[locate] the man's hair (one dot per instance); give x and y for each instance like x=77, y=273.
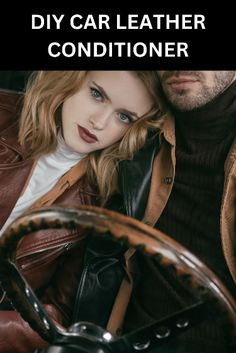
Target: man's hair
x=41, y=119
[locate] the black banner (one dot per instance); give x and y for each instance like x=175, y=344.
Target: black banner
x=134, y=38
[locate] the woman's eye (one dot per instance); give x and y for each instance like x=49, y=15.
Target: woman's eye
x=96, y=94
x=125, y=118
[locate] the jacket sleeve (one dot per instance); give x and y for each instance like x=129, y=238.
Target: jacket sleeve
x=57, y=280
x=53, y=271
x=16, y=335
x=61, y=293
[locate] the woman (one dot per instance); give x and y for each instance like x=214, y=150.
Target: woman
x=61, y=145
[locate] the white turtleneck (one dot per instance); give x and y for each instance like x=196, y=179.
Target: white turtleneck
x=48, y=170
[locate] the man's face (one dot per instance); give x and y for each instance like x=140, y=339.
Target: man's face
x=188, y=90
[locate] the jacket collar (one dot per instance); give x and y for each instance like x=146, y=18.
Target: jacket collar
x=135, y=175
x=135, y=178
x=8, y=137
x=168, y=129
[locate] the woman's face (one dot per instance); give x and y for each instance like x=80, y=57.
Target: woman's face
x=101, y=111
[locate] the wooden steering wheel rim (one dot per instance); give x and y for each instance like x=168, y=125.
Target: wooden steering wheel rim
x=121, y=227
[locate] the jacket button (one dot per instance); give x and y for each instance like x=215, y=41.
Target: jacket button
x=168, y=180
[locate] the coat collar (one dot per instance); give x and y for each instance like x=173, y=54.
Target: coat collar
x=168, y=129
x=135, y=175
x=8, y=138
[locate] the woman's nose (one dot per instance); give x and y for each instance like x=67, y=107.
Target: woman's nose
x=100, y=119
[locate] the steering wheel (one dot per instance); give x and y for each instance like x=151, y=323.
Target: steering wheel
x=202, y=281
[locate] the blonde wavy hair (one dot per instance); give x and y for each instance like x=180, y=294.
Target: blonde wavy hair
x=40, y=121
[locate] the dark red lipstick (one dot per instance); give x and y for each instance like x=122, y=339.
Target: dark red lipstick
x=86, y=135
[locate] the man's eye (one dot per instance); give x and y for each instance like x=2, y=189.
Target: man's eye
x=96, y=94
x=125, y=118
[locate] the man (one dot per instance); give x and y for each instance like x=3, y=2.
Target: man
x=186, y=187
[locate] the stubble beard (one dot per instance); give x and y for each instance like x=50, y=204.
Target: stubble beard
x=191, y=99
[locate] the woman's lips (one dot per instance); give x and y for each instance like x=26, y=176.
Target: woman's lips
x=86, y=135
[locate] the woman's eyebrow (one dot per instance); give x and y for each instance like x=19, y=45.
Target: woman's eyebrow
x=108, y=98
x=102, y=90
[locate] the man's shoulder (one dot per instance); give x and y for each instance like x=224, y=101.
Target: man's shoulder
x=10, y=102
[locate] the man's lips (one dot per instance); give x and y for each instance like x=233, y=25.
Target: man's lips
x=181, y=81
x=86, y=135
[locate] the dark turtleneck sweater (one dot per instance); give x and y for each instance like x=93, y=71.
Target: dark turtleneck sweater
x=192, y=217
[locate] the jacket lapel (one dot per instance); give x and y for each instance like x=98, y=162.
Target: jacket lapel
x=135, y=178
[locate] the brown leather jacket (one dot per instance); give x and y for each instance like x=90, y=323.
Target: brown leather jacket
x=46, y=260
